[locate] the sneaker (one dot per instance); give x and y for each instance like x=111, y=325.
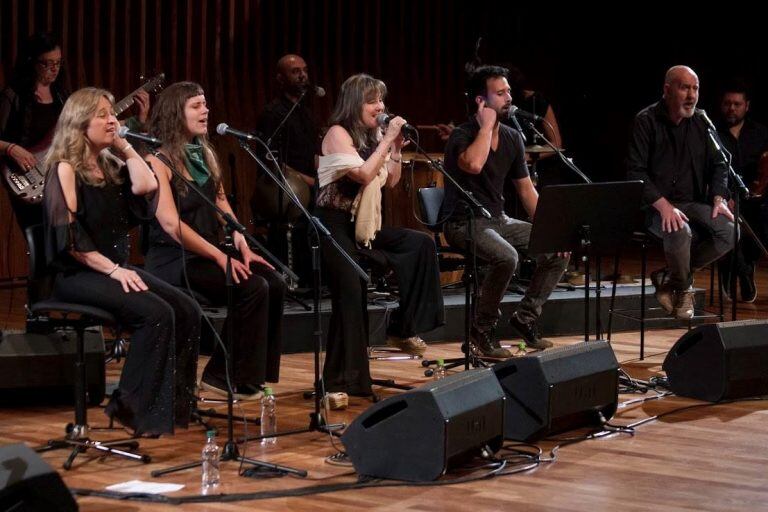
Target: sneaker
x=747, y=284
x=484, y=345
x=529, y=332
x=413, y=345
x=336, y=401
x=684, y=304
x=218, y=386
x=663, y=293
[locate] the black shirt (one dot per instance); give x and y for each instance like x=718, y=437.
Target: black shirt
x=506, y=162
x=25, y=122
x=105, y=215
x=747, y=149
x=674, y=161
x=164, y=256
x=297, y=141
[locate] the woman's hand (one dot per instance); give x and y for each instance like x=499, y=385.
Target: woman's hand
x=129, y=279
x=239, y=269
x=394, y=128
x=22, y=157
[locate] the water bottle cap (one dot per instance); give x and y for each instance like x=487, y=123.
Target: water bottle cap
x=267, y=391
x=210, y=434
x=441, y=362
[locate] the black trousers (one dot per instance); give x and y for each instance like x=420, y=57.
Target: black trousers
x=157, y=385
x=257, y=320
x=411, y=254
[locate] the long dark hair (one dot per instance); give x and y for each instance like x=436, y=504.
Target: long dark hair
x=355, y=92
x=24, y=75
x=168, y=123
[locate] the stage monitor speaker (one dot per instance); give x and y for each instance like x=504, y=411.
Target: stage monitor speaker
x=418, y=435
x=29, y=484
x=47, y=361
x=721, y=361
x=559, y=389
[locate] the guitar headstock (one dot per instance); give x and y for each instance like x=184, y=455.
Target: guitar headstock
x=154, y=84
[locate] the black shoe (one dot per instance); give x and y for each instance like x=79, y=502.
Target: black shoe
x=747, y=283
x=485, y=345
x=529, y=332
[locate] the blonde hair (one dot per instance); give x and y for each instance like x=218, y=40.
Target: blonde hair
x=355, y=92
x=70, y=143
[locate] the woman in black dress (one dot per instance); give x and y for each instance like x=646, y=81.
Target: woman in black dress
x=357, y=153
x=92, y=199
x=180, y=120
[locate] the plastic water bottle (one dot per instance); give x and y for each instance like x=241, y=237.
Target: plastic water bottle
x=521, y=350
x=211, y=453
x=440, y=370
x=268, y=417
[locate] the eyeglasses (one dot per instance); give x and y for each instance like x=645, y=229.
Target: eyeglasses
x=51, y=64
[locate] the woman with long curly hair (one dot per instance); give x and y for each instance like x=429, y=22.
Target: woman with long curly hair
x=92, y=199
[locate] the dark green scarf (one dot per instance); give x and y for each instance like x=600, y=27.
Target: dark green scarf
x=195, y=163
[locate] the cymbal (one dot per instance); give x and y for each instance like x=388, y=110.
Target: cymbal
x=538, y=149
x=418, y=157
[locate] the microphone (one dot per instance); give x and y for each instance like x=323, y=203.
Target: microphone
x=125, y=133
x=407, y=130
x=224, y=129
x=514, y=111
x=512, y=117
x=706, y=119
x=319, y=91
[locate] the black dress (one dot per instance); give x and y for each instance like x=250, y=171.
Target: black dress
x=157, y=383
x=412, y=256
x=258, y=300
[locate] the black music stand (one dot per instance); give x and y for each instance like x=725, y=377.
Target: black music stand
x=590, y=219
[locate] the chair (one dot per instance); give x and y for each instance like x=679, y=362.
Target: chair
x=430, y=202
x=449, y=260
x=645, y=239
x=77, y=317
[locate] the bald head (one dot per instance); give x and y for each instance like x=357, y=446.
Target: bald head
x=678, y=73
x=681, y=92
x=292, y=75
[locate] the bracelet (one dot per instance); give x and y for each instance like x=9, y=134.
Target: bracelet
x=117, y=266
x=125, y=148
x=8, y=148
x=397, y=161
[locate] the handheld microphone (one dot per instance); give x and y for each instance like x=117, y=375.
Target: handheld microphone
x=224, y=129
x=125, y=133
x=407, y=130
x=514, y=111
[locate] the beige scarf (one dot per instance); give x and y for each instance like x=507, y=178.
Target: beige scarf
x=366, y=208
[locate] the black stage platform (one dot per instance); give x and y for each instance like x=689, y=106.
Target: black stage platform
x=563, y=315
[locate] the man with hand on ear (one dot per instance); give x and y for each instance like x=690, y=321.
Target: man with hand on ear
x=481, y=155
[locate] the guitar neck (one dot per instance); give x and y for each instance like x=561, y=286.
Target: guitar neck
x=126, y=102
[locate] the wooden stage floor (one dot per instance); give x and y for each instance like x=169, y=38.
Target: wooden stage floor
x=706, y=458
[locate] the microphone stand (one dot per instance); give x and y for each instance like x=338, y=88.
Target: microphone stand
x=230, y=451
x=473, y=207
x=281, y=168
x=737, y=190
x=316, y=420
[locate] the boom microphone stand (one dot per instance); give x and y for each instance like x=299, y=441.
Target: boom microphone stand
x=316, y=421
